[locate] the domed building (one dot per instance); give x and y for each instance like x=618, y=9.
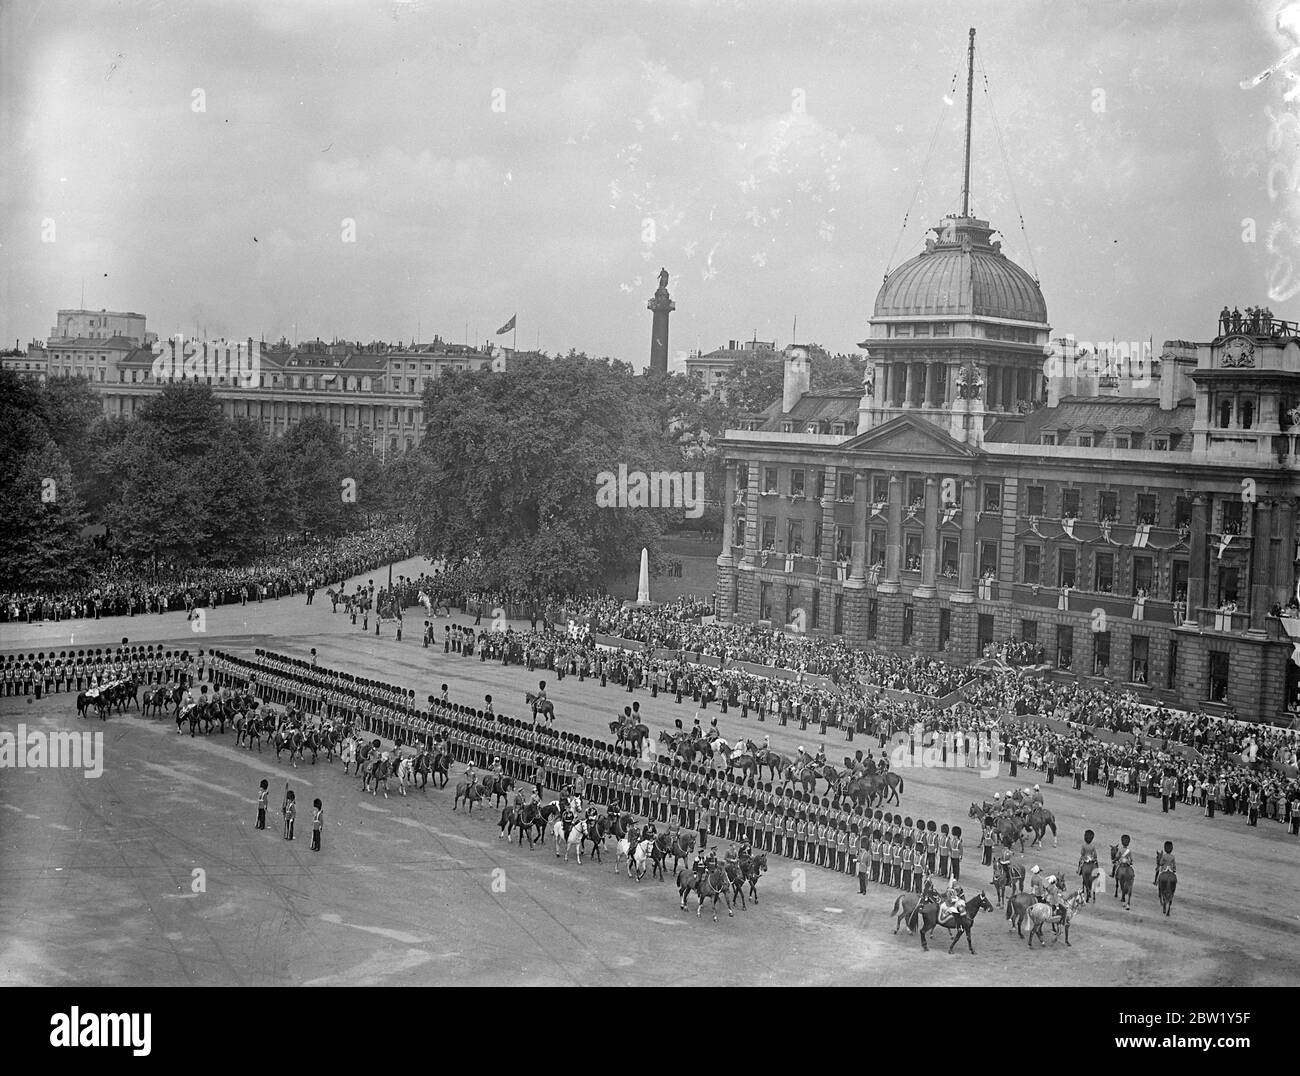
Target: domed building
x=958, y=336
x=978, y=504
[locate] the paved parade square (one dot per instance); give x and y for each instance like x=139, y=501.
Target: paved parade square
x=99, y=886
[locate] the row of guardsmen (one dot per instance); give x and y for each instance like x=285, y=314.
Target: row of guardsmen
x=45, y=673
x=879, y=846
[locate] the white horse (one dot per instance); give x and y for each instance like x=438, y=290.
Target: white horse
x=640, y=858
x=427, y=603
x=577, y=834
x=405, y=771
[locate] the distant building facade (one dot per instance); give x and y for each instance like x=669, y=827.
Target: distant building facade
x=971, y=495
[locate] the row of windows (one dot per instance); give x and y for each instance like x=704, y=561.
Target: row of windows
x=1166, y=442
x=1141, y=508
x=945, y=328
x=1139, y=657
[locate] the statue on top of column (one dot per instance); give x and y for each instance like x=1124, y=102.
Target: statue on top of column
x=663, y=279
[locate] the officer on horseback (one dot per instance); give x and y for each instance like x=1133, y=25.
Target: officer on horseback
x=1088, y=853
x=1165, y=862
x=539, y=700
x=698, y=865
x=733, y=859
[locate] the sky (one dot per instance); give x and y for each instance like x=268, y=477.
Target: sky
x=370, y=169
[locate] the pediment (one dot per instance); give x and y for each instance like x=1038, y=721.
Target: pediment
x=909, y=435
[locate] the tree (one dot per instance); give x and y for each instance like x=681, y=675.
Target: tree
x=513, y=460
x=753, y=381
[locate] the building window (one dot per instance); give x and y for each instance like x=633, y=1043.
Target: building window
x=1085, y=440
x=942, y=328
x=1171, y=671
x=837, y=623
x=992, y=497
x=1143, y=575
x=915, y=491
x=907, y=623
x=873, y=617
x=1121, y=440
x=767, y=533
x=1232, y=515
x=988, y=559
x=1160, y=444
x=1182, y=511
x=1107, y=505
x=738, y=531
x=1147, y=511
x=1225, y=414
x=1070, y=504
x=948, y=562
x=843, y=542
x=1227, y=586
x=796, y=483
x=765, y=601
x=1178, y=585
x=791, y=597
x=820, y=484
x=1064, y=646
x=1048, y=439
x=1135, y=439
x=1218, y=685
x=845, y=484
x=1103, y=575
x=1036, y=499
x=1101, y=653
x=1065, y=565
x=879, y=489
x=814, y=620
x=984, y=631
x=912, y=556
x=1138, y=667
x=794, y=536
x=1029, y=632
x=818, y=534
x=877, y=547
x=1032, y=566
x=945, y=628
x=769, y=479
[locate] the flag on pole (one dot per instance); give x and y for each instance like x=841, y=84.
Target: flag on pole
x=507, y=326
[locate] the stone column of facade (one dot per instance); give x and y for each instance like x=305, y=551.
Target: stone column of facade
x=962, y=643
x=746, y=570
x=726, y=561
x=894, y=538
x=824, y=582
x=925, y=614
x=930, y=542
x=1261, y=517
x=1196, y=563
x=855, y=587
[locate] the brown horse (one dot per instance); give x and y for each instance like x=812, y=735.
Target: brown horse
x=1011, y=876
x=909, y=907
x=1123, y=875
x=636, y=735
x=1165, y=886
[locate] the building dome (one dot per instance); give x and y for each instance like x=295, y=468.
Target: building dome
x=961, y=273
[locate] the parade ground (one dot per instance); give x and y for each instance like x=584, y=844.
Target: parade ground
x=153, y=873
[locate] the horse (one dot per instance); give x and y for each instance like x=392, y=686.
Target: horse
x=773, y=760
x=748, y=763
x=754, y=867
x=1040, y=820
x=1008, y=830
x=1123, y=875
x=596, y=833
x=405, y=772
x=910, y=908
x=282, y=739
x=1090, y=873
x=736, y=879
x=468, y=791
x=522, y=815
x=638, y=856
x=498, y=786
x=1040, y=914
x=544, y=707
x=1165, y=886
x=687, y=883
x=382, y=768
x=713, y=884
x=1018, y=908
x=1010, y=876
x=253, y=731
x=809, y=773
x=683, y=746
x=636, y=735
x=573, y=842
x=682, y=848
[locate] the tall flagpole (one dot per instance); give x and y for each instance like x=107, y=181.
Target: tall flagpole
x=970, y=91
x=514, y=335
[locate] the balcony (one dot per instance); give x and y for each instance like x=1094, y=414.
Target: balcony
x=1220, y=620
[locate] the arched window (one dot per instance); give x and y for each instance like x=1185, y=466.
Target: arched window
x=1247, y=413
x=1225, y=414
